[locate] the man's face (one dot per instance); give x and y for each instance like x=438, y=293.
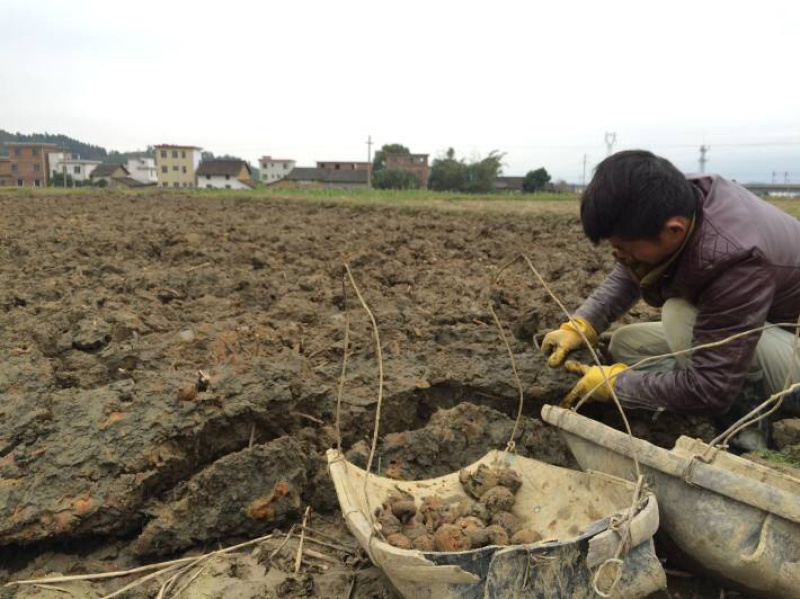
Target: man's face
x=652, y=251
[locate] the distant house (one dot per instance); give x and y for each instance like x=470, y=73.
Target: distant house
x=5, y=172
x=29, y=163
x=71, y=164
x=512, y=184
x=176, y=166
x=274, y=169
x=224, y=174
x=416, y=164
x=323, y=177
x=111, y=174
x=142, y=169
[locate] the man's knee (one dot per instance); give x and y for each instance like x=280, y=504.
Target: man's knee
x=679, y=317
x=620, y=344
x=633, y=342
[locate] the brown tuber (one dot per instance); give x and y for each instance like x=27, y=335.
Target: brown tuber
x=404, y=510
x=479, y=481
x=497, y=535
x=526, y=536
x=389, y=523
x=479, y=511
x=435, y=512
x=508, y=521
x=414, y=530
x=478, y=537
x=399, y=540
x=424, y=543
x=451, y=538
x=498, y=499
x=469, y=522
x=459, y=526
x=509, y=478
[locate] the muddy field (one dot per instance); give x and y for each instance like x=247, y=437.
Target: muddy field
x=170, y=364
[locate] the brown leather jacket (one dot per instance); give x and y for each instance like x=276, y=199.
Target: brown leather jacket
x=740, y=268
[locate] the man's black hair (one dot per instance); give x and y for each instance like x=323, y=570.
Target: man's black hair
x=632, y=194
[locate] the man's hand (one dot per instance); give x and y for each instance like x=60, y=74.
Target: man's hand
x=565, y=339
x=592, y=378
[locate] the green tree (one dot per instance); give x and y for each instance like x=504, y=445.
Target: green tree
x=481, y=175
x=392, y=178
x=535, y=180
x=447, y=173
x=57, y=180
x=379, y=160
x=450, y=174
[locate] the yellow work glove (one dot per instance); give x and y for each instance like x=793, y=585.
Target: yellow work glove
x=592, y=378
x=565, y=339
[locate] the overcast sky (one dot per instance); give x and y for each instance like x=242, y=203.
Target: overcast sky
x=541, y=81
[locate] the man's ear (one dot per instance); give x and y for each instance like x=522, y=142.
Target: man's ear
x=676, y=227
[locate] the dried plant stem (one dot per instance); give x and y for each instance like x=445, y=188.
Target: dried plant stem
x=299, y=559
x=596, y=359
x=342, y=377
x=380, y=385
x=103, y=575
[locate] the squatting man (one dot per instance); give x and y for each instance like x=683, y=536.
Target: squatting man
x=716, y=259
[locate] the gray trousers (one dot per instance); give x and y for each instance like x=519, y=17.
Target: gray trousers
x=772, y=360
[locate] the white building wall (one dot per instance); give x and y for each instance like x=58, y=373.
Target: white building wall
x=219, y=182
x=79, y=170
x=142, y=169
x=275, y=170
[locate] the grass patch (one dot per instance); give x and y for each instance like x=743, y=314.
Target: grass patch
x=777, y=457
x=412, y=199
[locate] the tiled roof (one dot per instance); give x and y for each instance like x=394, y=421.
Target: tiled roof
x=106, y=170
x=220, y=168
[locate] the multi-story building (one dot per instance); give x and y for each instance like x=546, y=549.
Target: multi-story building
x=224, y=174
x=71, y=164
x=143, y=169
x=344, y=166
x=176, y=166
x=30, y=163
x=274, y=169
x=5, y=172
x=416, y=164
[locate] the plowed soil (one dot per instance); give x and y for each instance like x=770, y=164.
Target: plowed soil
x=114, y=305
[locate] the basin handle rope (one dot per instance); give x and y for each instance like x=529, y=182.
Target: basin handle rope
x=621, y=525
x=753, y=416
x=623, y=521
x=379, y=354
x=795, y=326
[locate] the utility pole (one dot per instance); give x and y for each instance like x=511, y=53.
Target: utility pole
x=774, y=177
x=786, y=177
x=611, y=139
x=703, y=149
x=584, y=170
x=64, y=163
x=369, y=161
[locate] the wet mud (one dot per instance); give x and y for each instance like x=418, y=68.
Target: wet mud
x=169, y=369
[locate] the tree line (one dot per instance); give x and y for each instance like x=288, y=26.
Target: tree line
x=449, y=173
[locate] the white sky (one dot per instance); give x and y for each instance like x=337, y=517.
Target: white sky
x=310, y=80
